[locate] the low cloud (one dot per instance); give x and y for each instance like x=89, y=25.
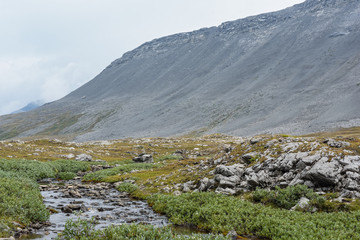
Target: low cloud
x=27, y=79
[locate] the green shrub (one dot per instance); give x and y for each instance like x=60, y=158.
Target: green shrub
x=100, y=176
x=67, y=175
x=20, y=199
x=37, y=170
x=220, y=213
x=69, y=166
x=28, y=168
x=80, y=229
x=83, y=229
x=287, y=197
x=127, y=187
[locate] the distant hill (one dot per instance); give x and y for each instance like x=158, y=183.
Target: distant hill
x=292, y=71
x=29, y=107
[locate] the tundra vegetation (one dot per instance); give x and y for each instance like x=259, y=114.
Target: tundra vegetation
x=179, y=163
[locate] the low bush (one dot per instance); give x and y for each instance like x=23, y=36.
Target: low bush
x=69, y=166
x=27, y=168
x=37, y=170
x=83, y=229
x=288, y=197
x=20, y=200
x=219, y=213
x=127, y=187
x=67, y=175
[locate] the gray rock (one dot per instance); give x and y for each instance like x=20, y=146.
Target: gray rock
x=296, y=181
x=224, y=170
x=188, y=186
x=271, y=143
x=288, y=162
x=228, y=171
x=84, y=157
x=303, y=203
x=310, y=159
x=350, y=163
x=249, y=156
x=336, y=144
x=253, y=180
x=255, y=140
x=144, y=158
x=68, y=156
x=177, y=193
x=263, y=177
x=353, y=175
x=204, y=184
x=227, y=182
x=300, y=165
x=75, y=193
x=324, y=173
x=228, y=148
x=232, y=235
x=227, y=191
x=351, y=184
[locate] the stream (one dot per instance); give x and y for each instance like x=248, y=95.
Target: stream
x=65, y=199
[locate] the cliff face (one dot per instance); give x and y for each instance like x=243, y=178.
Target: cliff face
x=293, y=71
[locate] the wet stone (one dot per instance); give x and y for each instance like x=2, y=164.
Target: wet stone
x=116, y=208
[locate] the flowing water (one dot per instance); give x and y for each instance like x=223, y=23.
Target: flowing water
x=99, y=201
x=74, y=199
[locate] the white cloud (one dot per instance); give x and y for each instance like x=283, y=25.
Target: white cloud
x=49, y=48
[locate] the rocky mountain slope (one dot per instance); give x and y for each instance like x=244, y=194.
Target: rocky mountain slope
x=293, y=71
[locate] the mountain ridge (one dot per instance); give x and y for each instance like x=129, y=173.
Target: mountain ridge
x=294, y=71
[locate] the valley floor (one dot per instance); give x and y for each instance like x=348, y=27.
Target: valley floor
x=271, y=187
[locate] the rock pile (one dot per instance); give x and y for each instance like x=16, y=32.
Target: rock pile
x=319, y=168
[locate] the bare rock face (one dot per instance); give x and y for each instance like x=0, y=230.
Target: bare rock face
x=293, y=71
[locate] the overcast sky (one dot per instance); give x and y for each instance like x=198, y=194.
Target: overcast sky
x=49, y=48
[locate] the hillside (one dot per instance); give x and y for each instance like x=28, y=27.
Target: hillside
x=293, y=71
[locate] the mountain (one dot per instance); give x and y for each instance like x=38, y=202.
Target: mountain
x=29, y=107
x=292, y=71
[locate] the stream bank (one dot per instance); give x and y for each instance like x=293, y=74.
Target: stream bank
x=100, y=201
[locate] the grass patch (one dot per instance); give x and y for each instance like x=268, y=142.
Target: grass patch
x=219, y=213
x=168, y=157
x=103, y=175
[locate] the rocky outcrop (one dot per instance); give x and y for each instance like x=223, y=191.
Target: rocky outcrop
x=317, y=172
x=318, y=168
